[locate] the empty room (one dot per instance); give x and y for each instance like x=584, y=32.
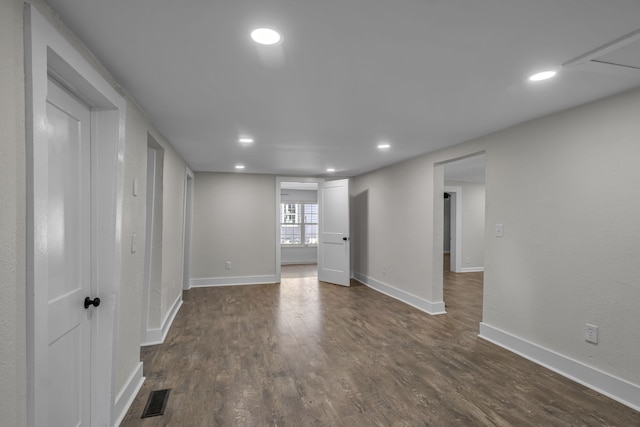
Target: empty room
x=319, y=213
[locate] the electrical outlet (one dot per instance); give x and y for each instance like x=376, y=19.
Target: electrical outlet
x=228, y=265
x=591, y=333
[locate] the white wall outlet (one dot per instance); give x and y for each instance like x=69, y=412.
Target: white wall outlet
x=499, y=230
x=227, y=265
x=384, y=270
x=591, y=333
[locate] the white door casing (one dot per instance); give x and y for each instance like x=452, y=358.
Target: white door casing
x=455, y=261
x=333, y=237
x=148, y=244
x=278, y=188
x=68, y=253
x=188, y=218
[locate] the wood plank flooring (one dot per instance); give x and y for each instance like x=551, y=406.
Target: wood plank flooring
x=305, y=353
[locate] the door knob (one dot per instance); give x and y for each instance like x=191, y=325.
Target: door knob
x=345, y=238
x=94, y=302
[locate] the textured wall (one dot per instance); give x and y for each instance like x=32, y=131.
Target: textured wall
x=566, y=189
x=233, y=220
x=12, y=218
x=399, y=226
x=133, y=220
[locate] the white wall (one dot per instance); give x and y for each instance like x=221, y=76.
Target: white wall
x=299, y=255
x=174, y=177
x=13, y=371
x=13, y=316
x=298, y=196
x=473, y=195
x=397, y=239
x=153, y=293
x=166, y=273
x=565, y=187
x=233, y=220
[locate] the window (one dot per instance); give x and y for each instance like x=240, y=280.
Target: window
x=299, y=224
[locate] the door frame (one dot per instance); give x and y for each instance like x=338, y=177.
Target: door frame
x=456, y=226
x=152, y=167
x=48, y=52
x=186, y=229
x=279, y=181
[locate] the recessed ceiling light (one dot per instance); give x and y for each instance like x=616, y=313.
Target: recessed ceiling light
x=384, y=145
x=542, y=76
x=245, y=140
x=331, y=170
x=265, y=36
x=239, y=166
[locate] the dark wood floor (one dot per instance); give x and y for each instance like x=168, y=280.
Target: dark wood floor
x=305, y=353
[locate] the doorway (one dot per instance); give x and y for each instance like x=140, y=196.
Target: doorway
x=298, y=217
x=453, y=227
x=464, y=204
x=313, y=224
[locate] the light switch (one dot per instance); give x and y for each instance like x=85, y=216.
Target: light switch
x=135, y=186
x=499, y=230
x=134, y=243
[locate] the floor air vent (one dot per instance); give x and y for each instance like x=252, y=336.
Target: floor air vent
x=156, y=403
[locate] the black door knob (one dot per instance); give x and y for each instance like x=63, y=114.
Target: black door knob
x=94, y=302
x=345, y=238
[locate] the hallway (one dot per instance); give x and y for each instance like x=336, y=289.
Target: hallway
x=304, y=353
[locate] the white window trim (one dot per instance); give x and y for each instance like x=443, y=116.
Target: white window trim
x=302, y=224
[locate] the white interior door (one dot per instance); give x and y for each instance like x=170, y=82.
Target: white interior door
x=68, y=255
x=333, y=238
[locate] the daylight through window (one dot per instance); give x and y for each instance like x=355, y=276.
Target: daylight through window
x=299, y=224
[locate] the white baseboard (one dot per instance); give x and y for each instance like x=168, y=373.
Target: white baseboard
x=125, y=398
x=157, y=336
x=232, y=281
x=616, y=388
x=300, y=262
x=406, y=297
x=471, y=269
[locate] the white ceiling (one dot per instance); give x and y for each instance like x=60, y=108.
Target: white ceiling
x=420, y=74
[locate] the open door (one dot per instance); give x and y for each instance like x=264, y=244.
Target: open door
x=333, y=237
